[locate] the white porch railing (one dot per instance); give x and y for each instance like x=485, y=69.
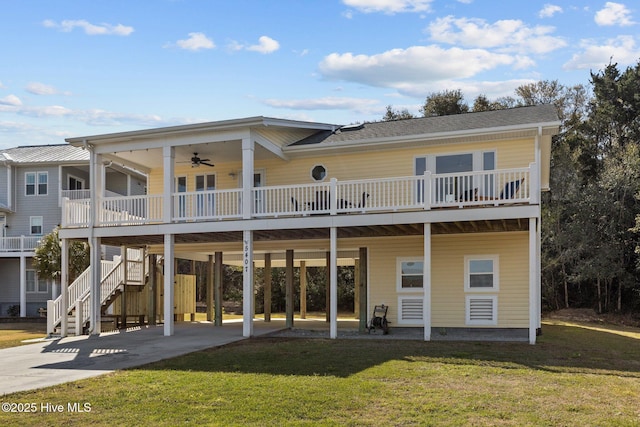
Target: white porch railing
x=492, y=187
x=131, y=210
x=204, y=205
x=19, y=244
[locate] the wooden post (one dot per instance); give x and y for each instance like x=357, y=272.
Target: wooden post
x=289, y=289
x=153, y=290
x=328, y=287
x=362, y=285
x=267, y=287
x=218, y=288
x=356, y=289
x=303, y=290
x=210, y=266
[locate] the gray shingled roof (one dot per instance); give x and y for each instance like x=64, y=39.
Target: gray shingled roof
x=45, y=154
x=439, y=124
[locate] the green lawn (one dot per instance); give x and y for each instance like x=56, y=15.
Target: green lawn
x=577, y=375
x=13, y=334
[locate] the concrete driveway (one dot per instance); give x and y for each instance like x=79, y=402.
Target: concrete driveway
x=57, y=361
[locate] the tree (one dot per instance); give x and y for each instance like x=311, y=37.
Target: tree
x=444, y=103
x=482, y=103
x=48, y=258
x=392, y=114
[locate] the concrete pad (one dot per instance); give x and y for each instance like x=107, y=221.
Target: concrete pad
x=57, y=361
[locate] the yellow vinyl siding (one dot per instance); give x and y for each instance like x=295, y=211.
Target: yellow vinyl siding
x=447, y=286
x=361, y=165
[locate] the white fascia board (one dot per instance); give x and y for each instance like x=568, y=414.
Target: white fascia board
x=269, y=146
x=325, y=221
x=208, y=128
x=435, y=138
x=172, y=140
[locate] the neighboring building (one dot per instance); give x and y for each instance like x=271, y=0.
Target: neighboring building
x=440, y=214
x=33, y=181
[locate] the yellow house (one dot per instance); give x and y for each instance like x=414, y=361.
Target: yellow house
x=441, y=215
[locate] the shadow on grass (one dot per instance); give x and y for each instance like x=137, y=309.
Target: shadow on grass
x=560, y=349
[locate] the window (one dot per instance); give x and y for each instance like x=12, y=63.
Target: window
x=457, y=187
x=36, y=183
x=318, y=173
x=34, y=284
x=481, y=273
x=205, y=202
x=410, y=273
x=75, y=183
x=35, y=225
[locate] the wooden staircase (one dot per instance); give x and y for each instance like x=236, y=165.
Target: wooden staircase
x=116, y=275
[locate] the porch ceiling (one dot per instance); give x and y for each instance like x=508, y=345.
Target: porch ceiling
x=457, y=227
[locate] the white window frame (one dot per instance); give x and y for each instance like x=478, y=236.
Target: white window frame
x=410, y=322
x=496, y=273
x=326, y=172
x=33, y=286
x=36, y=190
x=399, y=262
x=78, y=180
x=494, y=313
x=31, y=225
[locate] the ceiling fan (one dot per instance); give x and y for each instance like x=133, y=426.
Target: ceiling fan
x=197, y=161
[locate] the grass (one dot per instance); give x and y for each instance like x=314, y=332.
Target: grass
x=578, y=374
x=13, y=334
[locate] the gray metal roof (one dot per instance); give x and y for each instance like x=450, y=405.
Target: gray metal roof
x=513, y=117
x=62, y=153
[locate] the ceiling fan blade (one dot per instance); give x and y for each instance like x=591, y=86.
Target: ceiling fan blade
x=202, y=162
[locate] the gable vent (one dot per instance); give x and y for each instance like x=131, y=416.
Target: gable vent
x=411, y=309
x=481, y=310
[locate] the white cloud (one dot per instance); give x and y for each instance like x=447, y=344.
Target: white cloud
x=11, y=101
x=549, y=10
x=621, y=50
x=613, y=14
x=37, y=88
x=89, y=28
x=399, y=68
x=326, y=103
x=507, y=35
x=265, y=45
x=389, y=6
x=2, y=86
x=195, y=42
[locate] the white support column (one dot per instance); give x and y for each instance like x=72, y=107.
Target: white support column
x=333, y=284
x=533, y=281
x=95, y=253
x=169, y=280
x=23, y=286
x=64, y=286
x=248, y=305
x=168, y=154
x=539, y=272
x=247, y=178
x=426, y=283
x=96, y=176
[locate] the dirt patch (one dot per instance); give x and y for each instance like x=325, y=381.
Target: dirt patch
x=591, y=316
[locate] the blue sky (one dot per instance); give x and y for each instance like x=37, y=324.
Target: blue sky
x=80, y=67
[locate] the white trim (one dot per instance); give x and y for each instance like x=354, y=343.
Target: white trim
x=31, y=218
x=481, y=322
x=416, y=305
x=496, y=272
x=399, y=261
x=326, y=172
